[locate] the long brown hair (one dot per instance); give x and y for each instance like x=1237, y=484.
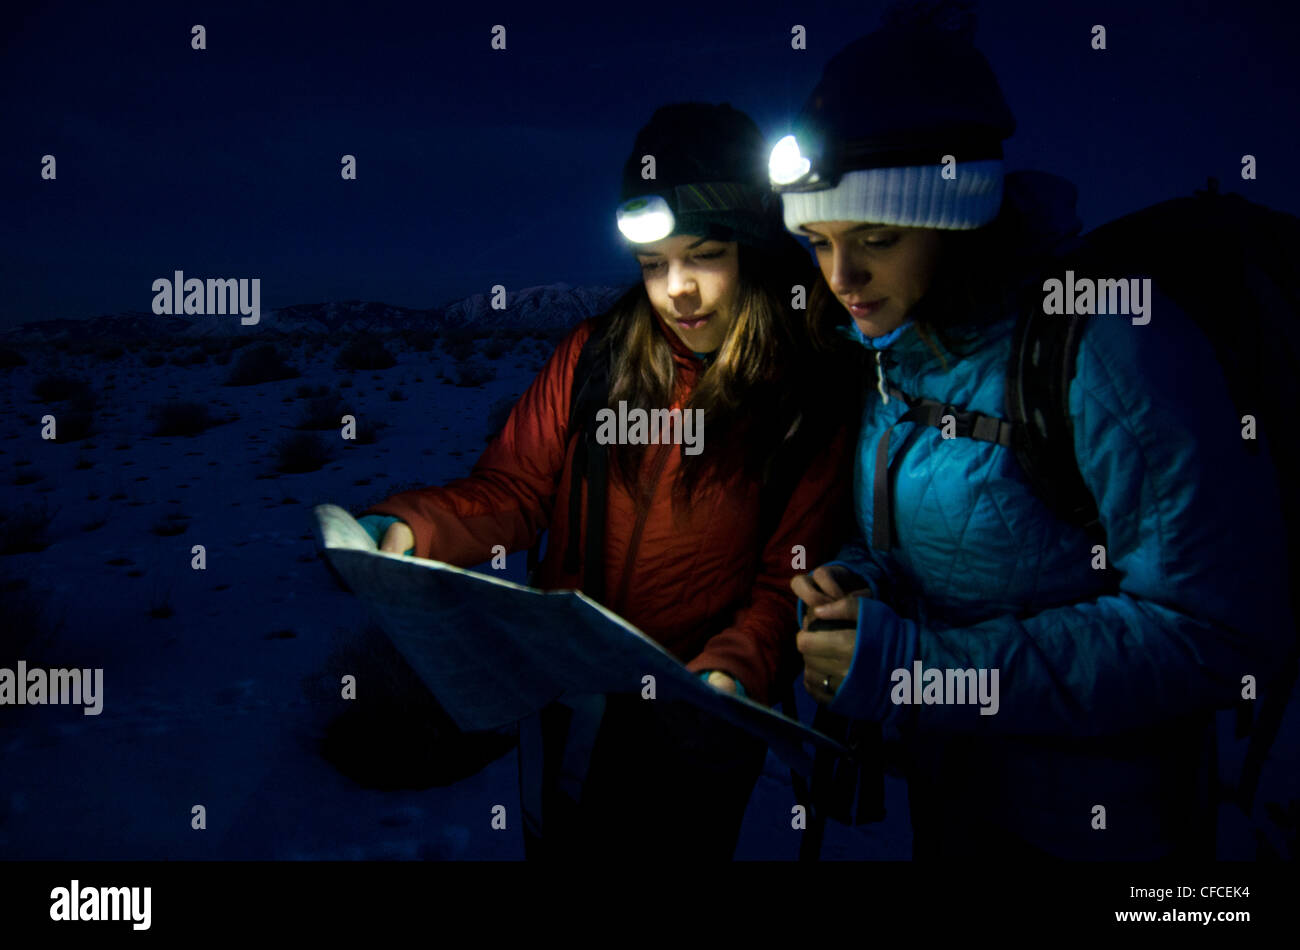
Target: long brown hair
x=761, y=379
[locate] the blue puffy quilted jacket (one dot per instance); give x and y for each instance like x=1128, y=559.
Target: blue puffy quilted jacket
x=1107, y=678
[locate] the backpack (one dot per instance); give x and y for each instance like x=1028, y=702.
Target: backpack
x=1251, y=251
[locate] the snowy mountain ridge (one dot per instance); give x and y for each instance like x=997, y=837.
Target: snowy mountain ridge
x=546, y=307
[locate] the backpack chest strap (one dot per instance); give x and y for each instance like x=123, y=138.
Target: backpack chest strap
x=964, y=424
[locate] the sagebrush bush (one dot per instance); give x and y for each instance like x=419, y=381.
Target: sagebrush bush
x=301, y=452
x=260, y=364
x=462, y=351
x=472, y=375
x=25, y=530
x=419, y=339
x=365, y=353
x=60, y=389
x=9, y=358
x=178, y=417
x=193, y=357
x=322, y=412
x=171, y=524
x=496, y=347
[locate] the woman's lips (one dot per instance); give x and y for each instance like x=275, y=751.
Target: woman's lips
x=692, y=323
x=866, y=309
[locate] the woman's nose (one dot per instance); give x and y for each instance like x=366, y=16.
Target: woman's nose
x=845, y=274
x=680, y=282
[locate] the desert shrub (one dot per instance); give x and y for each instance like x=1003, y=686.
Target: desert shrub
x=27, y=476
x=365, y=353
x=301, y=452
x=181, y=418
x=60, y=388
x=74, y=424
x=462, y=351
x=193, y=357
x=171, y=524
x=420, y=339
x=322, y=412
x=367, y=431
x=9, y=358
x=496, y=347
x=160, y=603
x=25, y=530
x=260, y=364
x=473, y=375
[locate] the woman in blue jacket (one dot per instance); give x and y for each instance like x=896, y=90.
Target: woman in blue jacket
x=1070, y=712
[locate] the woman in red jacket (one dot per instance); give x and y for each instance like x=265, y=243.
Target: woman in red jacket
x=700, y=540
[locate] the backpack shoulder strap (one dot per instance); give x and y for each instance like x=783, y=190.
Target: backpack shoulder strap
x=1043, y=360
x=589, y=392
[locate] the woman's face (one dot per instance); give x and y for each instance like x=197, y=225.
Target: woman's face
x=877, y=271
x=694, y=284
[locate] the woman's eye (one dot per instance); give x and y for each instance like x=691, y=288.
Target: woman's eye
x=819, y=245
x=648, y=267
x=709, y=255
x=889, y=241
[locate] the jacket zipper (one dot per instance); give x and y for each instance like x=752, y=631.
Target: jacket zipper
x=880, y=376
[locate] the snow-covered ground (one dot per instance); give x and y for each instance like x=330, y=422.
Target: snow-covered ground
x=219, y=704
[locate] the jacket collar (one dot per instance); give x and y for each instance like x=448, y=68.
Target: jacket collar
x=904, y=355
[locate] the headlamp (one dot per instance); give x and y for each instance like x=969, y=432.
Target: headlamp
x=809, y=163
x=796, y=166
x=644, y=220
x=648, y=218
x=787, y=164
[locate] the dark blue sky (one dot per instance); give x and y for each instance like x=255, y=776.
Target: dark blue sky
x=479, y=167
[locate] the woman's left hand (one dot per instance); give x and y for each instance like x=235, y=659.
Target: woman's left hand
x=828, y=653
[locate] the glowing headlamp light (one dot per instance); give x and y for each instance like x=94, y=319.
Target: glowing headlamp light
x=787, y=164
x=647, y=219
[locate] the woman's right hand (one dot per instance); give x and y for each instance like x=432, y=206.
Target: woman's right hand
x=826, y=585
x=398, y=538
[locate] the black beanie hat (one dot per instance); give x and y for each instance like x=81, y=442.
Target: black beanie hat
x=910, y=88
x=898, y=100
x=710, y=165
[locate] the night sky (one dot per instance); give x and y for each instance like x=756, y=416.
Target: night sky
x=478, y=167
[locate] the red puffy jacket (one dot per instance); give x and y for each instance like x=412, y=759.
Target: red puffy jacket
x=696, y=585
